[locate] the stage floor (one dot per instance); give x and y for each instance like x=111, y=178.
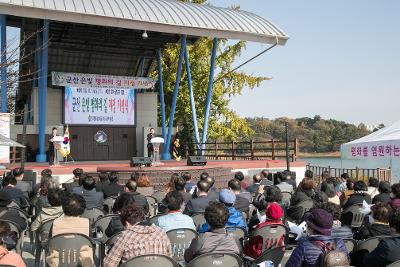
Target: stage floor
x=123, y=166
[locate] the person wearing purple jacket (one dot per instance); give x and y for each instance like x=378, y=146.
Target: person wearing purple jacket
x=309, y=250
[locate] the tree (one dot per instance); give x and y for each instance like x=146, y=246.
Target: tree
x=223, y=122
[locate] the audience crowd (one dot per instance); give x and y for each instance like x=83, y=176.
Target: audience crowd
x=322, y=221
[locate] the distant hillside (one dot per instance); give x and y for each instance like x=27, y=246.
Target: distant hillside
x=315, y=134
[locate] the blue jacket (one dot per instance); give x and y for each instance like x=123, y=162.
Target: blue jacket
x=307, y=254
x=235, y=220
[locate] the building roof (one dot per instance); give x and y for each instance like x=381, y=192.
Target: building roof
x=167, y=16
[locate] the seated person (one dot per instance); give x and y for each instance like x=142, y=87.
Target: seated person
x=102, y=182
x=240, y=177
x=76, y=181
x=379, y=225
x=216, y=239
x=384, y=193
x=284, y=184
x=273, y=214
x=55, y=197
x=360, y=194
x=174, y=219
x=179, y=185
x=24, y=186
x=256, y=184
x=270, y=195
x=140, y=200
x=189, y=184
x=304, y=191
x=144, y=186
x=7, y=243
x=9, y=183
x=395, y=200
x=199, y=204
x=373, y=184
x=329, y=190
x=92, y=198
x=113, y=189
x=388, y=249
x=241, y=204
x=137, y=239
x=115, y=226
x=235, y=219
x=308, y=251
x=339, y=230
x=10, y=214
x=73, y=206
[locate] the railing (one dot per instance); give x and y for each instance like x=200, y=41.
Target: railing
x=355, y=173
x=249, y=150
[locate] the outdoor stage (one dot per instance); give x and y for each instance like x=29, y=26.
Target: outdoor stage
x=159, y=175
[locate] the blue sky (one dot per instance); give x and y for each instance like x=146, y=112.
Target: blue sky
x=342, y=61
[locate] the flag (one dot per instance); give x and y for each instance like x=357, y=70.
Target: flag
x=65, y=147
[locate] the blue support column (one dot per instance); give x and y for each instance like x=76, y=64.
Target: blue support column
x=192, y=104
x=166, y=155
x=3, y=51
x=209, y=92
x=42, y=92
x=161, y=87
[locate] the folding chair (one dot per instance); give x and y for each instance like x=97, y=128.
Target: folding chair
x=357, y=218
x=275, y=255
x=20, y=234
x=158, y=195
x=286, y=196
x=152, y=205
x=394, y=264
x=350, y=244
x=271, y=235
x=369, y=244
x=216, y=259
x=42, y=236
x=180, y=241
x=288, y=252
x=92, y=214
x=108, y=204
x=68, y=246
x=198, y=220
x=100, y=225
x=151, y=260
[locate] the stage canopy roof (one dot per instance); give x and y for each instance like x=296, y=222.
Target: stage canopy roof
x=166, y=16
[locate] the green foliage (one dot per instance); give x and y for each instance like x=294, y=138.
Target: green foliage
x=315, y=134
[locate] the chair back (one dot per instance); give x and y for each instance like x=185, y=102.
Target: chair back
x=237, y=232
x=100, y=225
x=108, y=204
x=158, y=195
x=288, y=252
x=68, y=246
x=151, y=260
x=394, y=264
x=275, y=255
x=286, y=196
x=350, y=244
x=370, y=244
x=180, y=241
x=306, y=205
x=153, y=220
x=216, y=259
x=42, y=236
x=357, y=218
x=153, y=207
x=14, y=204
x=20, y=234
x=198, y=220
x=272, y=235
x=92, y=214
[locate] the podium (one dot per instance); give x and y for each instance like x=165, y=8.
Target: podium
x=156, y=141
x=57, y=140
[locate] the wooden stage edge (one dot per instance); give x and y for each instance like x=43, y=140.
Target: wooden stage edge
x=123, y=166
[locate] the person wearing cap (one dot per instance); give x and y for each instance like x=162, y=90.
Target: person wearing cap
x=235, y=219
x=273, y=214
x=309, y=249
x=10, y=214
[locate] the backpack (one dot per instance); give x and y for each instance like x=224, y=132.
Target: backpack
x=330, y=256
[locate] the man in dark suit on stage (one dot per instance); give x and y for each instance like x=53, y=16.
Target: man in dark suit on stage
x=150, y=147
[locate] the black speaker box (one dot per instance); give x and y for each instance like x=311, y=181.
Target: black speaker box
x=196, y=161
x=140, y=161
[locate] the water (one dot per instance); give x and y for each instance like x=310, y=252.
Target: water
x=348, y=163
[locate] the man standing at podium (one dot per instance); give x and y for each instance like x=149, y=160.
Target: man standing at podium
x=150, y=148
x=52, y=151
